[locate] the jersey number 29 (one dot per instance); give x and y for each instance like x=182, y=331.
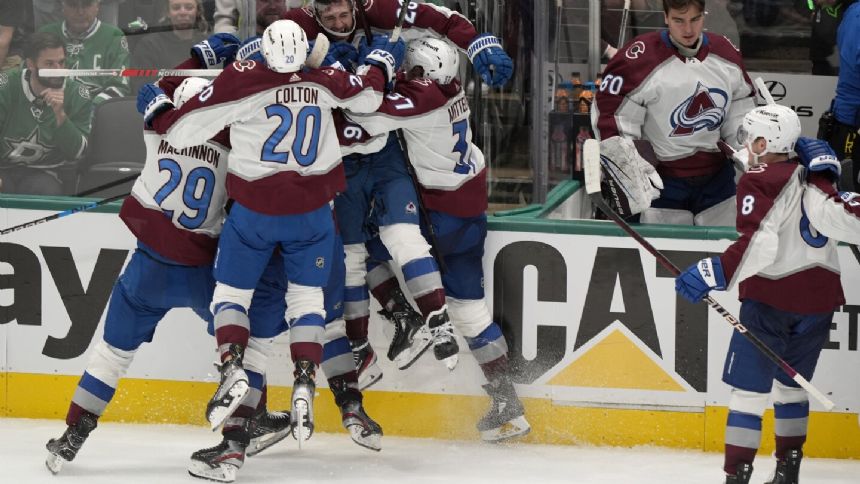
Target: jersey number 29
x=196, y=194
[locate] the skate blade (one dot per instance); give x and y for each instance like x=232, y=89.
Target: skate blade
x=219, y=473
x=302, y=429
x=421, y=342
x=54, y=463
x=263, y=442
x=369, y=377
x=517, y=427
x=219, y=414
x=372, y=441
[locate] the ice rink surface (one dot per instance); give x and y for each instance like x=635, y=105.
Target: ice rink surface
x=130, y=454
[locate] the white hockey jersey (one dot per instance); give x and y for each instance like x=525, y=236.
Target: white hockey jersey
x=435, y=123
x=285, y=155
x=789, y=229
x=682, y=105
x=177, y=203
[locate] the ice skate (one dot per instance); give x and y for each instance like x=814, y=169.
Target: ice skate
x=302, y=412
x=269, y=428
x=742, y=476
x=445, y=347
x=505, y=420
x=67, y=446
x=363, y=429
x=219, y=463
x=788, y=469
x=411, y=336
x=366, y=363
x=231, y=391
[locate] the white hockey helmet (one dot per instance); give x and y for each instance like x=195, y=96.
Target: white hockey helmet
x=777, y=124
x=285, y=46
x=439, y=59
x=189, y=88
x=319, y=6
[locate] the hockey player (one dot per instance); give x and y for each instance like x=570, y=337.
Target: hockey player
x=429, y=105
x=284, y=170
x=337, y=19
x=177, y=236
x=790, y=219
x=682, y=90
x=378, y=180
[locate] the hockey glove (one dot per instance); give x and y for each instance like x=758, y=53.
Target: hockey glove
x=218, y=48
x=698, y=280
x=490, y=61
x=629, y=182
x=341, y=54
x=388, y=59
x=377, y=42
x=250, y=50
x=151, y=100
x=817, y=156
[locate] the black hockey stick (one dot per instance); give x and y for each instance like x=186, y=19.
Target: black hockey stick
x=82, y=208
x=107, y=185
x=431, y=233
x=591, y=166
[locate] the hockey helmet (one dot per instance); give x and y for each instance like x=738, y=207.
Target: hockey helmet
x=439, y=59
x=189, y=88
x=319, y=6
x=777, y=124
x=284, y=46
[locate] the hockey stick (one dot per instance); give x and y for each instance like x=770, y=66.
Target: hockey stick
x=129, y=72
x=107, y=185
x=625, y=18
x=82, y=208
x=591, y=162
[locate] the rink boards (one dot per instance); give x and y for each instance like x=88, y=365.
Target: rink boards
x=604, y=352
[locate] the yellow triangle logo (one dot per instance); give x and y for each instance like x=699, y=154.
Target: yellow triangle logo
x=616, y=362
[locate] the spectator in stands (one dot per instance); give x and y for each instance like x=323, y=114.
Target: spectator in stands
x=842, y=130
x=44, y=122
x=236, y=17
x=168, y=49
x=13, y=22
x=92, y=44
x=49, y=11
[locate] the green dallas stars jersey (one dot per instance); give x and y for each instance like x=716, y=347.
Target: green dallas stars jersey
x=28, y=129
x=103, y=46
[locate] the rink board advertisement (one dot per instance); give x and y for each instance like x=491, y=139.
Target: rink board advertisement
x=603, y=349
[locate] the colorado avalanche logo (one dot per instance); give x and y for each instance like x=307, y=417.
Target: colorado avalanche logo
x=705, y=109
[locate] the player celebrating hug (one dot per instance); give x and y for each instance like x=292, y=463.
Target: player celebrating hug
x=430, y=106
x=284, y=170
x=790, y=219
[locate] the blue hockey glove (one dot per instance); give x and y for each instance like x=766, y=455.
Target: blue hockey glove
x=151, y=100
x=698, y=280
x=388, y=58
x=377, y=42
x=490, y=61
x=818, y=156
x=250, y=50
x=218, y=48
x=342, y=53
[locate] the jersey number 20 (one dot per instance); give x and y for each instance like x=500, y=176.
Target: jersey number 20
x=304, y=156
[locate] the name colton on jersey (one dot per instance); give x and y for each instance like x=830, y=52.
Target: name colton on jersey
x=297, y=94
